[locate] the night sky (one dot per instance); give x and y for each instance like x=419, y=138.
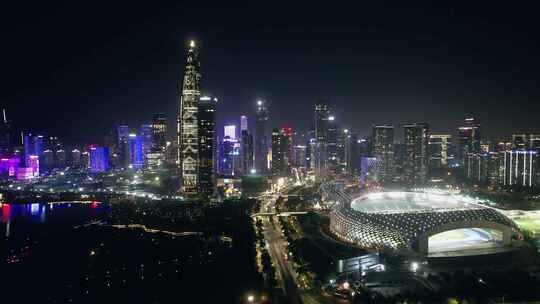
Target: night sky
x=74, y=69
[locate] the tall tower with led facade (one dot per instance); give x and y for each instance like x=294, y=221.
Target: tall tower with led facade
x=188, y=135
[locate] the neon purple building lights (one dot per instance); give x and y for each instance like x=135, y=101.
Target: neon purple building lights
x=99, y=159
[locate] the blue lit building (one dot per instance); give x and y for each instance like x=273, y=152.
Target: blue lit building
x=146, y=133
x=136, y=159
x=99, y=159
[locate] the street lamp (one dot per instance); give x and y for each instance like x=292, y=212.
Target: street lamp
x=251, y=299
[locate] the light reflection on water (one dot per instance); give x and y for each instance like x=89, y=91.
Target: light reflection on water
x=16, y=215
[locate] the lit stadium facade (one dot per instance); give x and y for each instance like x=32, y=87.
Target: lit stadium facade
x=407, y=220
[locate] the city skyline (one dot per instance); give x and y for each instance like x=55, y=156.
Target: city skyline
x=166, y=152
x=439, y=73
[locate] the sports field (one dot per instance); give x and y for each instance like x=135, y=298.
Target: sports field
x=464, y=239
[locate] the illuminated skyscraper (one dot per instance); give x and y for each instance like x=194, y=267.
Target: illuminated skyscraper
x=228, y=156
x=246, y=150
x=469, y=137
x=99, y=159
x=122, y=145
x=32, y=145
x=207, y=144
x=280, y=152
x=261, y=138
x=383, y=151
x=135, y=151
x=146, y=133
x=60, y=157
x=440, y=151
x=519, y=141
x=368, y=170
x=230, y=131
x=48, y=159
x=287, y=132
x=534, y=142
x=5, y=135
x=322, y=121
x=159, y=132
x=188, y=135
x=76, y=158
x=351, y=154
x=520, y=168
x=416, y=152
x=243, y=123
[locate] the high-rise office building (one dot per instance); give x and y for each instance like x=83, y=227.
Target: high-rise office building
x=60, y=158
x=207, y=144
x=320, y=147
x=534, y=142
x=383, y=151
x=76, y=158
x=351, y=153
x=159, y=132
x=469, y=138
x=368, y=171
x=9, y=166
x=187, y=127
x=415, y=166
x=99, y=159
x=311, y=144
x=32, y=145
x=299, y=151
x=85, y=159
x=288, y=133
x=146, y=133
x=47, y=162
x=230, y=131
x=526, y=141
x=440, y=151
x=521, y=167
x=5, y=135
x=229, y=157
x=122, y=145
x=341, y=153
x=281, y=144
x=246, y=150
x=520, y=141
x=136, y=158
x=300, y=156
x=261, y=138
x=400, y=152
x=334, y=144
x=56, y=148
x=243, y=123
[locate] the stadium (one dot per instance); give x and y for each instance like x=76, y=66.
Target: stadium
x=427, y=223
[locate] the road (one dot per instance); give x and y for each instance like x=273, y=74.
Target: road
x=278, y=252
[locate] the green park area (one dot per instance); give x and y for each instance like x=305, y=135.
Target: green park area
x=528, y=224
x=313, y=249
